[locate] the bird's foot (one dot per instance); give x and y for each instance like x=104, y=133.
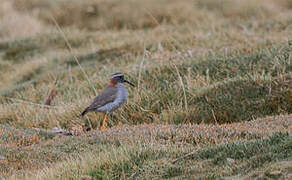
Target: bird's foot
x=120, y=124
x=102, y=128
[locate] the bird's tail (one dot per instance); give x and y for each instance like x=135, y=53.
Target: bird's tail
x=84, y=112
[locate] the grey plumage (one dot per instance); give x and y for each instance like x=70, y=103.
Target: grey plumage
x=111, y=97
x=120, y=99
x=108, y=95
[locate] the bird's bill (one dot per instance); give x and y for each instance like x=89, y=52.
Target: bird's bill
x=129, y=82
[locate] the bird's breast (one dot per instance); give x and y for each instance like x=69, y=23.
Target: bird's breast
x=122, y=94
x=120, y=99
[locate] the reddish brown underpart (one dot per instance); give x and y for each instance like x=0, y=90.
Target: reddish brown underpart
x=112, y=83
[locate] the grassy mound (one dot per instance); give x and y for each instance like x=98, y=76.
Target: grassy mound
x=34, y=148
x=211, y=89
x=259, y=83
x=244, y=99
x=140, y=161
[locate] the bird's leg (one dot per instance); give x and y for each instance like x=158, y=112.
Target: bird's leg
x=103, y=122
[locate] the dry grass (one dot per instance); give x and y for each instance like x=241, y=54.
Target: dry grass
x=15, y=25
x=21, y=145
x=256, y=82
x=214, y=62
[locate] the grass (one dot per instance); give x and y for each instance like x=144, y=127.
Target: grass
x=207, y=77
x=23, y=148
x=140, y=160
x=256, y=82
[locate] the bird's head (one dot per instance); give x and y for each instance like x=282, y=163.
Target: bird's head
x=119, y=78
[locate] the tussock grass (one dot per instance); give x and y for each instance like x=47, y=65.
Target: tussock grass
x=35, y=148
x=258, y=83
x=256, y=98
x=15, y=24
x=102, y=15
x=245, y=82
x=141, y=160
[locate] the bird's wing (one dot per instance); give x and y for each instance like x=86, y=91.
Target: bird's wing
x=108, y=95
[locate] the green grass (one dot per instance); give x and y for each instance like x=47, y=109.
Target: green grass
x=256, y=82
x=142, y=148
x=140, y=160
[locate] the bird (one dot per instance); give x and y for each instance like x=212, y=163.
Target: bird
x=111, y=98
